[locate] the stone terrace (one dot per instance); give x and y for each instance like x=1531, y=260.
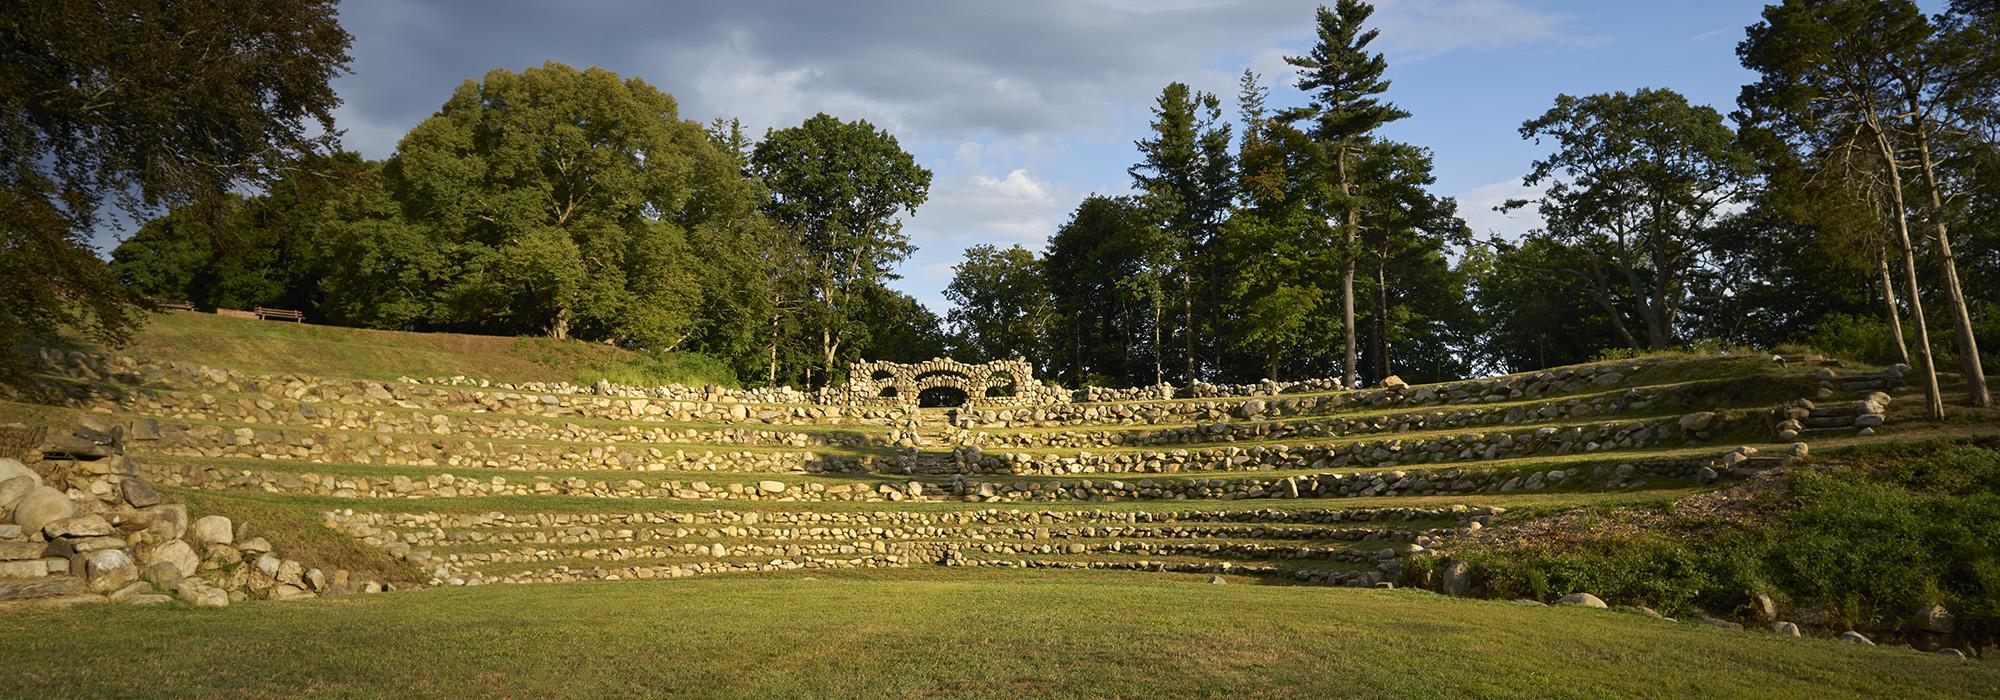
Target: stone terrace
x=482, y=482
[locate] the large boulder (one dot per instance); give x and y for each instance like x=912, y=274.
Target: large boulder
x=1697, y=422
x=110, y=569
x=1582, y=599
x=177, y=553
x=11, y=468
x=202, y=594
x=42, y=506
x=211, y=530
x=139, y=493
x=12, y=489
x=170, y=522
x=77, y=526
x=1250, y=409
x=1455, y=579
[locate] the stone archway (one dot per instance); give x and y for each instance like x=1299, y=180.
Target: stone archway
x=942, y=397
x=1000, y=383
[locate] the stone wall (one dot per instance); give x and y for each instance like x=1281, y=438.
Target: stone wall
x=79, y=524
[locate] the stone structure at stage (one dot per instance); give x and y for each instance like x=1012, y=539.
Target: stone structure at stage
x=944, y=382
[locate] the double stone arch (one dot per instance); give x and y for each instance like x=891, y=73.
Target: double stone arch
x=944, y=381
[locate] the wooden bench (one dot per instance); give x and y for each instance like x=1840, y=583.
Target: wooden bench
x=280, y=315
x=173, y=304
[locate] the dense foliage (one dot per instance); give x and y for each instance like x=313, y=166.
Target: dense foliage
x=1847, y=203
x=1891, y=531
x=138, y=104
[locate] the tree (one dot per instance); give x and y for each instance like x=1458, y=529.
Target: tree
x=1273, y=246
x=1001, y=306
x=895, y=327
x=1534, y=319
x=141, y=105
x=1829, y=67
x=567, y=200
x=1635, y=186
x=1344, y=78
x=1184, y=176
x=836, y=188
x=1098, y=323
x=1406, y=232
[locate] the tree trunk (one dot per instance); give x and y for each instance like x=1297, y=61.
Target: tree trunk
x=771, y=376
x=559, y=328
x=1901, y=349
x=1187, y=324
x=1600, y=291
x=1968, y=346
x=1381, y=317
x=1347, y=272
x=1933, y=402
x=1159, y=371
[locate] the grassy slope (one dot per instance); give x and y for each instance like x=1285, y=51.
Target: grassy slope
x=270, y=346
x=1011, y=635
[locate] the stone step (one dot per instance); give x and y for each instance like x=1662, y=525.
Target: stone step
x=46, y=587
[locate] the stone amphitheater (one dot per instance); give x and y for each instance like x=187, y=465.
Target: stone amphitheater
x=475, y=482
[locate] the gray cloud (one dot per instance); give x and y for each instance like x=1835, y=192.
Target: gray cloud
x=991, y=95
x=932, y=71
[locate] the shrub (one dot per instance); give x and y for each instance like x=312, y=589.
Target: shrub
x=1862, y=338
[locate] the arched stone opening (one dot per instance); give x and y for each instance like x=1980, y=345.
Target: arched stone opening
x=1000, y=385
x=941, y=397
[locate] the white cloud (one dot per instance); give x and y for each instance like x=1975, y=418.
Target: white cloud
x=1477, y=206
x=1417, y=29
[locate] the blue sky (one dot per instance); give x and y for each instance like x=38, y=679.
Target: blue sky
x=1022, y=108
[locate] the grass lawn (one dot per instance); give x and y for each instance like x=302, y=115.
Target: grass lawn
x=985, y=634
x=332, y=351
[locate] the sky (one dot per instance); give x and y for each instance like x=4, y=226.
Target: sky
x=1021, y=108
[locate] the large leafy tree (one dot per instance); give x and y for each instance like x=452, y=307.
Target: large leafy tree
x=1345, y=81
x=1000, y=304
x=837, y=189
x=1635, y=186
x=140, y=105
x=1185, y=176
x=565, y=199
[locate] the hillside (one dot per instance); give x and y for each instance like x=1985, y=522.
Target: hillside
x=332, y=351
x=526, y=510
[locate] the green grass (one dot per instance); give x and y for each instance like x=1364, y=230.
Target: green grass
x=330, y=351
x=986, y=634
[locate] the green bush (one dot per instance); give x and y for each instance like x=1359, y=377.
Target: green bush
x=1908, y=526
x=1862, y=338
x=1672, y=577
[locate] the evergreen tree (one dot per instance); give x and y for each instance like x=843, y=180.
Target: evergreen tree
x=1184, y=177
x=1344, y=80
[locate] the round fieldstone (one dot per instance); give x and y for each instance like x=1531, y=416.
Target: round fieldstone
x=42, y=506
x=212, y=529
x=1582, y=599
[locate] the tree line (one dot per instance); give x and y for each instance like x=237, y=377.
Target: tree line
x=577, y=204
x=1847, y=202
x=1854, y=181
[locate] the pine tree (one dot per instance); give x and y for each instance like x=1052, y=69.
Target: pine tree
x=1344, y=78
